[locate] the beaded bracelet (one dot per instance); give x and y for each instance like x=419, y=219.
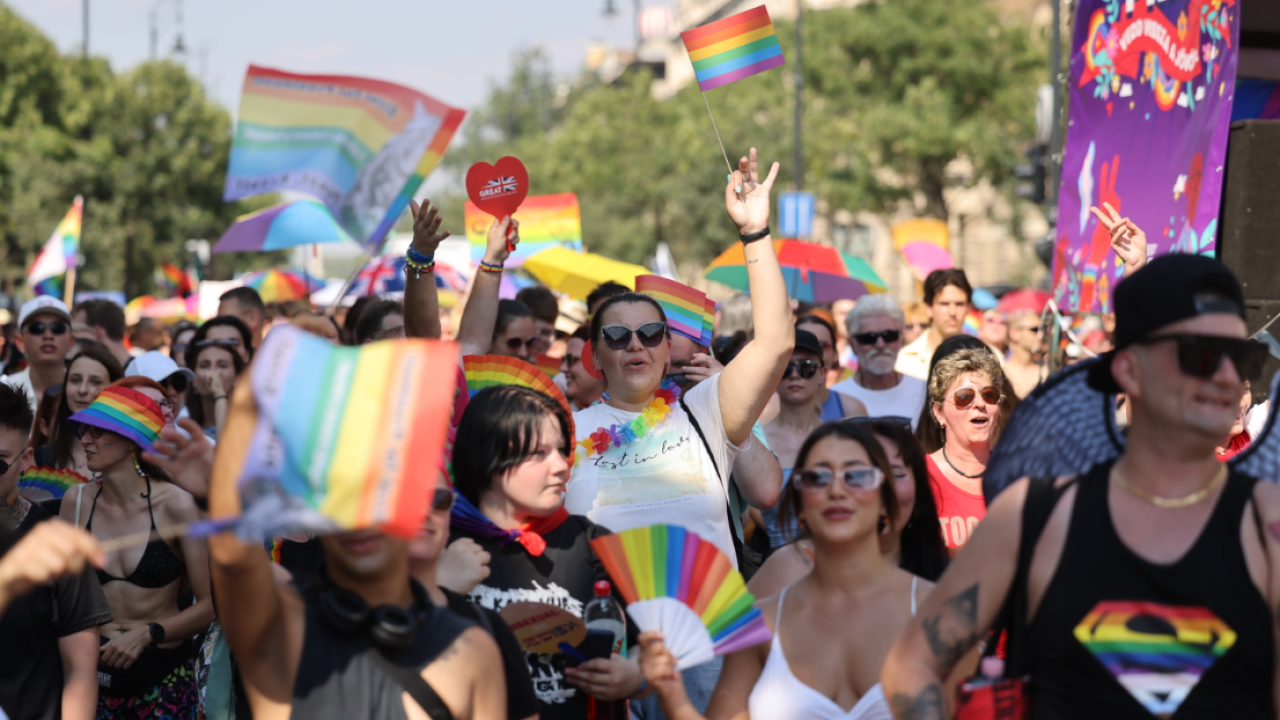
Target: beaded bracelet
x=418, y=257
x=417, y=268
x=490, y=267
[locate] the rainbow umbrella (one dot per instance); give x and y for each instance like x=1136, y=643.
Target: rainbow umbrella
x=276, y=285
x=300, y=222
x=814, y=273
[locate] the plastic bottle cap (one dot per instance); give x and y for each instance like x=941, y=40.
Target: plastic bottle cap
x=992, y=667
x=602, y=588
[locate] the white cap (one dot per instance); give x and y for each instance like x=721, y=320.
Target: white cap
x=43, y=304
x=157, y=366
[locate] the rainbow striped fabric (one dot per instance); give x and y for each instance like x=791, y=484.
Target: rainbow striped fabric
x=58, y=254
x=42, y=483
x=486, y=371
x=688, y=311
x=361, y=146
x=340, y=438
x=736, y=47
x=545, y=221
x=126, y=412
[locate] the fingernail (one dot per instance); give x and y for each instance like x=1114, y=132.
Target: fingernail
x=728, y=178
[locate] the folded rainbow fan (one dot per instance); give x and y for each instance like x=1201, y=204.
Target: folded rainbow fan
x=45, y=483
x=485, y=371
x=676, y=582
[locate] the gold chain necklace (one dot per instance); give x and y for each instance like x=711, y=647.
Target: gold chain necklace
x=1163, y=502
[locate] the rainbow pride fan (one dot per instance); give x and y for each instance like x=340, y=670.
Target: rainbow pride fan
x=485, y=371
x=45, y=483
x=676, y=582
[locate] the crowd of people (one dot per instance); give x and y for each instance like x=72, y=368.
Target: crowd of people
x=836, y=455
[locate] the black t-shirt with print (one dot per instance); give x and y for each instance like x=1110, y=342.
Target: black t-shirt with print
x=564, y=576
x=30, y=665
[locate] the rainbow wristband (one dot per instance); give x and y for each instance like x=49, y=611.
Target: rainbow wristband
x=417, y=257
x=417, y=268
x=490, y=267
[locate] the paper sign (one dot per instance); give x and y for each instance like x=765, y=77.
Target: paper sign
x=541, y=628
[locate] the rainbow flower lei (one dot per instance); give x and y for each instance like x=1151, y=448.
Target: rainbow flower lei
x=598, y=442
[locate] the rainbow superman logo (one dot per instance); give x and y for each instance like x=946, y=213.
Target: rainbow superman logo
x=1157, y=652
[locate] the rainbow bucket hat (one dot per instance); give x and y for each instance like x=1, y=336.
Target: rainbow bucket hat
x=126, y=412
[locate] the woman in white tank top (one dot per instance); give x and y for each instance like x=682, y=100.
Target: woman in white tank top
x=834, y=627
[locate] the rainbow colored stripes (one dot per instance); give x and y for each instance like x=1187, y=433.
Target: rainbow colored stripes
x=59, y=252
x=549, y=365
x=345, y=437
x=342, y=139
x=126, y=412
x=688, y=311
x=39, y=483
x=545, y=221
x=734, y=48
x=486, y=371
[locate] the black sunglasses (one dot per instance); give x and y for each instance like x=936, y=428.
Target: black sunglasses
x=177, y=382
x=517, y=343
x=618, y=337
x=220, y=342
x=81, y=429
x=805, y=368
x=1201, y=355
x=869, y=338
x=4, y=467
x=855, y=478
x=57, y=327
x=442, y=500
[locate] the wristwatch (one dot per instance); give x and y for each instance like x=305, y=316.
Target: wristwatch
x=157, y=632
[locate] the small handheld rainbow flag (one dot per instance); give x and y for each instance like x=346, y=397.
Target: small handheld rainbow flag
x=688, y=311
x=736, y=47
x=549, y=365
x=338, y=438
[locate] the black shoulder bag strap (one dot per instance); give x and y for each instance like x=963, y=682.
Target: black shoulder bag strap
x=1042, y=498
x=411, y=682
x=749, y=561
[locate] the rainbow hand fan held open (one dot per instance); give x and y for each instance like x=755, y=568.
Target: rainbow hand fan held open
x=684, y=586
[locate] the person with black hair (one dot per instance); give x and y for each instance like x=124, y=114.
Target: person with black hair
x=217, y=365
x=380, y=320
x=352, y=317
x=510, y=467
x=581, y=387
x=48, y=664
x=104, y=323
x=180, y=334
x=87, y=374
x=545, y=309
x=245, y=304
x=832, y=404
x=949, y=297
x=604, y=291
x=227, y=328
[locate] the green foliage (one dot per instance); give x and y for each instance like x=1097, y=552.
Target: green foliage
x=146, y=148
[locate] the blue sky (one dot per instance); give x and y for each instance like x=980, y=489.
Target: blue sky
x=451, y=49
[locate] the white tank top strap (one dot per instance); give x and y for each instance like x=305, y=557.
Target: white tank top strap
x=915, y=581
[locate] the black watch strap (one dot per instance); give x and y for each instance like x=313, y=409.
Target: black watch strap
x=755, y=236
x=157, y=632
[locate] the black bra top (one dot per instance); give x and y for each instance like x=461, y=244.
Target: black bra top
x=159, y=565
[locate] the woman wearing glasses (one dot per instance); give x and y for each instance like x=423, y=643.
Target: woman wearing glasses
x=833, y=628
x=965, y=398
x=146, y=668
x=217, y=363
x=91, y=370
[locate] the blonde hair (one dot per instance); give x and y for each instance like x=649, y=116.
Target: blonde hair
x=960, y=363
x=916, y=311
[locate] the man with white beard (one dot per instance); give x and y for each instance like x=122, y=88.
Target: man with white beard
x=875, y=334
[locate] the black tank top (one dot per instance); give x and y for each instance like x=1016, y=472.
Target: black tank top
x=337, y=678
x=1119, y=637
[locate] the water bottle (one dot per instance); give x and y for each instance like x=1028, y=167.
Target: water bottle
x=604, y=613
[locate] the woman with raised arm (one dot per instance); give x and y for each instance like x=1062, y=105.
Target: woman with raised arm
x=646, y=457
x=832, y=629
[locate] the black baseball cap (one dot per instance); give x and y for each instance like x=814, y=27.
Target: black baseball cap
x=806, y=340
x=1168, y=289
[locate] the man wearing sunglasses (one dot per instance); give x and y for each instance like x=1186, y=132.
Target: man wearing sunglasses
x=1131, y=554
x=161, y=368
x=875, y=327
x=1026, y=340
x=45, y=337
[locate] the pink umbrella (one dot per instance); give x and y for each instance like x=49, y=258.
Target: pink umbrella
x=1024, y=299
x=926, y=257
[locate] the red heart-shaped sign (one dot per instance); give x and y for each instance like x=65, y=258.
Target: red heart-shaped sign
x=498, y=189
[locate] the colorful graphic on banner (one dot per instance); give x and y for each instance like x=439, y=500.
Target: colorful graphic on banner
x=545, y=221
x=361, y=146
x=1151, y=90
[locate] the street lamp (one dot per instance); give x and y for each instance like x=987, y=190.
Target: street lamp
x=178, y=47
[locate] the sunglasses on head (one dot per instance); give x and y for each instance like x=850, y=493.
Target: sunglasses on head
x=805, y=368
x=1201, y=355
x=869, y=338
x=965, y=397
x=57, y=327
x=220, y=342
x=854, y=478
x=442, y=500
x=618, y=337
x=516, y=343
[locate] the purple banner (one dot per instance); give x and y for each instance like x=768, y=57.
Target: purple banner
x=1151, y=88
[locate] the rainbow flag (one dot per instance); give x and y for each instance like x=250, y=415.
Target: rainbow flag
x=549, y=365
x=361, y=146
x=545, y=221
x=173, y=280
x=688, y=311
x=736, y=47
x=58, y=254
x=340, y=438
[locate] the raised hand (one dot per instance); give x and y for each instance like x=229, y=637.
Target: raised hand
x=186, y=457
x=1127, y=239
x=426, y=227
x=504, y=236
x=746, y=199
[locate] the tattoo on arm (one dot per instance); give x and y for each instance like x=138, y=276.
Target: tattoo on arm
x=925, y=705
x=954, y=629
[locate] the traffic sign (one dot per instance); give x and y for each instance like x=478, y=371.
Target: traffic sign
x=795, y=210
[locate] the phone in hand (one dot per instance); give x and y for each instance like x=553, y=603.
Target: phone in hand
x=598, y=644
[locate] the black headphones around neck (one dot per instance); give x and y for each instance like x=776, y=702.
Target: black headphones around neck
x=389, y=627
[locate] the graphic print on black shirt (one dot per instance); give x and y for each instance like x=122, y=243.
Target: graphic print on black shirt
x=563, y=576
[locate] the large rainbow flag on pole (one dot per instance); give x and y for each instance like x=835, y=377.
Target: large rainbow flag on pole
x=734, y=48
x=341, y=438
x=361, y=146
x=58, y=256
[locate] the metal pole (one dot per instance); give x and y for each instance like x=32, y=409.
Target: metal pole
x=1053, y=158
x=799, y=81
x=84, y=8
